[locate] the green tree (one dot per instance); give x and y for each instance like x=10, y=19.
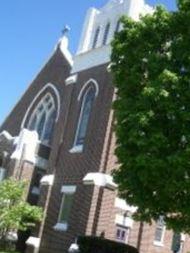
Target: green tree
x=151, y=69
x=15, y=213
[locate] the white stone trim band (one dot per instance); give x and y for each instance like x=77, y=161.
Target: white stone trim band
x=100, y=179
x=33, y=241
x=47, y=180
x=71, y=79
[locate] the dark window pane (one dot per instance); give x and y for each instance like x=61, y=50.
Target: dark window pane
x=158, y=234
x=117, y=26
x=66, y=208
x=106, y=33
x=123, y=235
x=176, y=242
x=32, y=125
x=49, y=127
x=118, y=233
x=96, y=37
x=84, y=117
x=41, y=124
x=1, y=161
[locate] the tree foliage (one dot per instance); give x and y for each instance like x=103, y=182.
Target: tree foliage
x=151, y=68
x=15, y=213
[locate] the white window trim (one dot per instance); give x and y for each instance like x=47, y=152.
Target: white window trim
x=122, y=221
x=161, y=242
x=90, y=81
x=65, y=189
x=158, y=244
x=55, y=91
x=78, y=148
x=127, y=231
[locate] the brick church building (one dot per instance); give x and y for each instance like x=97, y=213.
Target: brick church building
x=59, y=137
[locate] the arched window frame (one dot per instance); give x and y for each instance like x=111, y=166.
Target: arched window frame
x=96, y=37
x=54, y=90
x=91, y=84
x=106, y=34
x=42, y=109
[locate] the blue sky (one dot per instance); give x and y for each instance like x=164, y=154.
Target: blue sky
x=29, y=30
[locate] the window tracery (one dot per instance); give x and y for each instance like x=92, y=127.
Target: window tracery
x=43, y=119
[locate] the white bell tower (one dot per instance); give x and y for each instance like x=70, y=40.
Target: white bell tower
x=99, y=29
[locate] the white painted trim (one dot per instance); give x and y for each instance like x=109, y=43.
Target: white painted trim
x=78, y=148
x=100, y=179
x=183, y=237
x=94, y=82
x=26, y=145
x=33, y=241
x=122, y=204
x=86, y=34
x=61, y=227
x=158, y=244
x=126, y=222
x=12, y=236
x=74, y=247
x=47, y=180
x=161, y=242
x=45, y=109
x=97, y=56
x=49, y=85
x=6, y=135
x=63, y=45
x=68, y=189
x=71, y=79
x=109, y=68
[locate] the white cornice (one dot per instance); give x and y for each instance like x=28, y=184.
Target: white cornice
x=92, y=58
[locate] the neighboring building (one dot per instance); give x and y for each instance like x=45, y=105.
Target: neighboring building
x=59, y=137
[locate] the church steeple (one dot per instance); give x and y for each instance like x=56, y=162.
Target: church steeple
x=99, y=29
x=97, y=20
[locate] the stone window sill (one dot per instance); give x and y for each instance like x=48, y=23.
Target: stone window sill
x=158, y=244
x=61, y=227
x=76, y=149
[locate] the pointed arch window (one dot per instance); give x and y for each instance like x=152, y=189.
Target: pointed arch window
x=85, y=112
x=43, y=119
x=117, y=28
x=96, y=37
x=106, y=33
